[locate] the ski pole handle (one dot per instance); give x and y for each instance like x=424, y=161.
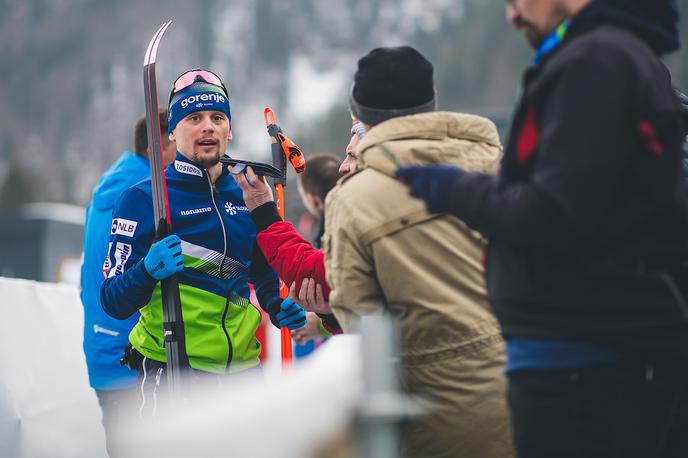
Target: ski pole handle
x=279, y=160
x=285, y=144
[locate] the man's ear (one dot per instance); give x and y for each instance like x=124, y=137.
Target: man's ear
x=318, y=203
x=171, y=137
x=229, y=136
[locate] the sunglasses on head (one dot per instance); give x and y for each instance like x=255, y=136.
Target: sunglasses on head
x=192, y=76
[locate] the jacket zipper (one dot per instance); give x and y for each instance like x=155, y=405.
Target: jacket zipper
x=230, y=349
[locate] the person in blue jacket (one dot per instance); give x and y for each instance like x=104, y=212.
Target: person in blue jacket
x=212, y=250
x=105, y=337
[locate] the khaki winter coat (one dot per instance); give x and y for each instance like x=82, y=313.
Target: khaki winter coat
x=384, y=252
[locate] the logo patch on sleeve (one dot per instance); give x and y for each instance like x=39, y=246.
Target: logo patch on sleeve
x=106, y=263
x=123, y=227
x=122, y=253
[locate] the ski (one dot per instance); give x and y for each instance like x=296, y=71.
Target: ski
x=175, y=346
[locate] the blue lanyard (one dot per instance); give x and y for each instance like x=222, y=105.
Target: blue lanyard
x=552, y=41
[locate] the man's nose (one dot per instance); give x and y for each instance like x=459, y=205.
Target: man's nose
x=207, y=125
x=344, y=166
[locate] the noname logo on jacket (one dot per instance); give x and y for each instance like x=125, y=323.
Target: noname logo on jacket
x=196, y=211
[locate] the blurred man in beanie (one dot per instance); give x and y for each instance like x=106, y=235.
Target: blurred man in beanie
x=385, y=253
x=212, y=250
x=588, y=229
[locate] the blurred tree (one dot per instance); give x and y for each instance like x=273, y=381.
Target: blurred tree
x=72, y=84
x=18, y=188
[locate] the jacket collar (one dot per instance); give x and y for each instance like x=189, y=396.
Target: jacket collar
x=188, y=170
x=552, y=41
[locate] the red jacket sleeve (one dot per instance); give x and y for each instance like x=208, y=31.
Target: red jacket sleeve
x=292, y=256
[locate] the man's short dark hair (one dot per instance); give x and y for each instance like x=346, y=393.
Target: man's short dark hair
x=141, y=133
x=321, y=174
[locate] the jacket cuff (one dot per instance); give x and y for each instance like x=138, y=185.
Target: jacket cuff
x=324, y=333
x=265, y=215
x=272, y=310
x=141, y=274
x=330, y=323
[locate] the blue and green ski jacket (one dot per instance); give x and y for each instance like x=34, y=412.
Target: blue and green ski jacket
x=221, y=258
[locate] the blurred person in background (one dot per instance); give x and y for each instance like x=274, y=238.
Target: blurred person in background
x=212, y=251
x=588, y=229
x=321, y=174
x=105, y=337
x=384, y=253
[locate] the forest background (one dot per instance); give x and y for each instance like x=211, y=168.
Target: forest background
x=71, y=84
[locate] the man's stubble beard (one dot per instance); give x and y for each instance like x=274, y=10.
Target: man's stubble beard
x=536, y=37
x=205, y=161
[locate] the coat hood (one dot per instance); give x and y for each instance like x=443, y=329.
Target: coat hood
x=118, y=179
x=467, y=141
x=654, y=21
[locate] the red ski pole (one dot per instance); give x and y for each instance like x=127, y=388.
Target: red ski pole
x=282, y=149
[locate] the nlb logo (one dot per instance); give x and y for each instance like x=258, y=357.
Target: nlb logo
x=198, y=99
x=188, y=169
x=196, y=211
x=125, y=227
x=233, y=209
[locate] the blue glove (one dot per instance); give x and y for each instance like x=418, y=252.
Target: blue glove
x=164, y=259
x=431, y=184
x=291, y=315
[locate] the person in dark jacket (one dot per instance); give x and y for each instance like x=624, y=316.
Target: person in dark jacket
x=587, y=267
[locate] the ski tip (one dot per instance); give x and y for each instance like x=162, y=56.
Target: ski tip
x=152, y=50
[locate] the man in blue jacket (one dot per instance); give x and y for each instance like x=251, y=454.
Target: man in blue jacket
x=105, y=337
x=212, y=250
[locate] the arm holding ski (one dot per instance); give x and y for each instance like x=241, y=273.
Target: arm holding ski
x=128, y=286
x=124, y=294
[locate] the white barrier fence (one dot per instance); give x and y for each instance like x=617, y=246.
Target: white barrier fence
x=47, y=408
